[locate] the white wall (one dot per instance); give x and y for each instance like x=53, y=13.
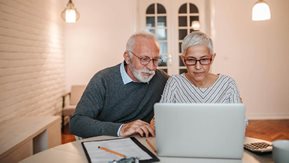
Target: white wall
x=98, y=39
x=31, y=58
x=255, y=54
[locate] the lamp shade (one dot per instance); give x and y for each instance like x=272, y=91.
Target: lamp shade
x=196, y=25
x=70, y=13
x=261, y=11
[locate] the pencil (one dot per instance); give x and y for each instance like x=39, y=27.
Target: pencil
x=111, y=151
x=151, y=146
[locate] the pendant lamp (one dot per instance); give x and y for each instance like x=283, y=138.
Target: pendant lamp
x=261, y=11
x=70, y=13
x=195, y=25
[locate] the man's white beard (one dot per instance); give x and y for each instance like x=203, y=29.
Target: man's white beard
x=138, y=74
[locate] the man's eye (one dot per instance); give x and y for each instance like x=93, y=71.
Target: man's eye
x=146, y=59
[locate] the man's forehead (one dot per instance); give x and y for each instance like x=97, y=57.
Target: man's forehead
x=141, y=39
x=146, y=46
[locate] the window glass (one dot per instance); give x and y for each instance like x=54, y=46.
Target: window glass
x=156, y=23
x=151, y=9
x=161, y=9
x=182, y=33
x=183, y=21
x=183, y=8
x=180, y=61
x=150, y=21
x=182, y=70
x=180, y=47
x=193, y=8
x=161, y=34
x=162, y=21
x=188, y=13
x=194, y=18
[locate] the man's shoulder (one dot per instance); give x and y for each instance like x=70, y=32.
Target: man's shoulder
x=162, y=74
x=107, y=73
x=110, y=70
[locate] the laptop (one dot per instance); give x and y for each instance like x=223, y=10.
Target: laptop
x=200, y=130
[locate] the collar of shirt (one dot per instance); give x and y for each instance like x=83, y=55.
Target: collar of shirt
x=124, y=76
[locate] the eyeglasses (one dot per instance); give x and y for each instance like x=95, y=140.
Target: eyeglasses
x=126, y=160
x=146, y=60
x=193, y=61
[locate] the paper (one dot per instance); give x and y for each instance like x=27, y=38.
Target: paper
x=129, y=147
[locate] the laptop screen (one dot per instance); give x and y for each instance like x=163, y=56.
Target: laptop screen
x=200, y=130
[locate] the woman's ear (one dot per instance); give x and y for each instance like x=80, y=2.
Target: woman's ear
x=213, y=57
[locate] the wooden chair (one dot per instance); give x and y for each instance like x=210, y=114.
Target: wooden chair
x=69, y=104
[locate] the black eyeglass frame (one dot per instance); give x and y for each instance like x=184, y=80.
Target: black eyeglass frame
x=146, y=60
x=202, y=61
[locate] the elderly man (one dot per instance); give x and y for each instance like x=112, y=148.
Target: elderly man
x=118, y=101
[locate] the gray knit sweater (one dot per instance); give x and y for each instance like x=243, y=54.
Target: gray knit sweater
x=107, y=103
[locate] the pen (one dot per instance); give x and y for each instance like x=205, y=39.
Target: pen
x=151, y=146
x=111, y=151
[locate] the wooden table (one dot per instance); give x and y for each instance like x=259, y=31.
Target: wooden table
x=73, y=153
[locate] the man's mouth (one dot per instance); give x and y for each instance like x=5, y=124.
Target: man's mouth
x=146, y=74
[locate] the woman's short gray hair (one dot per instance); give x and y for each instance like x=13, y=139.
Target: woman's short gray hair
x=197, y=38
x=132, y=40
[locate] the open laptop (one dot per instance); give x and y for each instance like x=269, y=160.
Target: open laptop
x=200, y=130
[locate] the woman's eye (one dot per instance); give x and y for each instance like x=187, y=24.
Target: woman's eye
x=191, y=59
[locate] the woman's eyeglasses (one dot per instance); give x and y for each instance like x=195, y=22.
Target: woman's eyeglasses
x=193, y=61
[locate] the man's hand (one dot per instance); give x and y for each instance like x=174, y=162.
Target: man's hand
x=152, y=123
x=136, y=127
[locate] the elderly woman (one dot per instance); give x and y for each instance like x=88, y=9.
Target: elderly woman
x=199, y=85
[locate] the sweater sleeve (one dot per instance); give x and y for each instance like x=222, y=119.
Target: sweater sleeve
x=85, y=122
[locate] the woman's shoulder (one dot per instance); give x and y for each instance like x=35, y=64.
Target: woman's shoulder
x=177, y=77
x=223, y=76
x=226, y=80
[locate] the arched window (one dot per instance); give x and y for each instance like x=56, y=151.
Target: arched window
x=156, y=23
x=187, y=14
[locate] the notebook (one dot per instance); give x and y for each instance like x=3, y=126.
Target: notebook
x=200, y=130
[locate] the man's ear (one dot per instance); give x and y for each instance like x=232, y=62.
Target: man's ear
x=126, y=57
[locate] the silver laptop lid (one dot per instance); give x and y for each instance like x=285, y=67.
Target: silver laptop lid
x=200, y=130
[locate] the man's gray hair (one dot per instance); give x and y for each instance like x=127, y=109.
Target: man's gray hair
x=132, y=40
x=197, y=38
